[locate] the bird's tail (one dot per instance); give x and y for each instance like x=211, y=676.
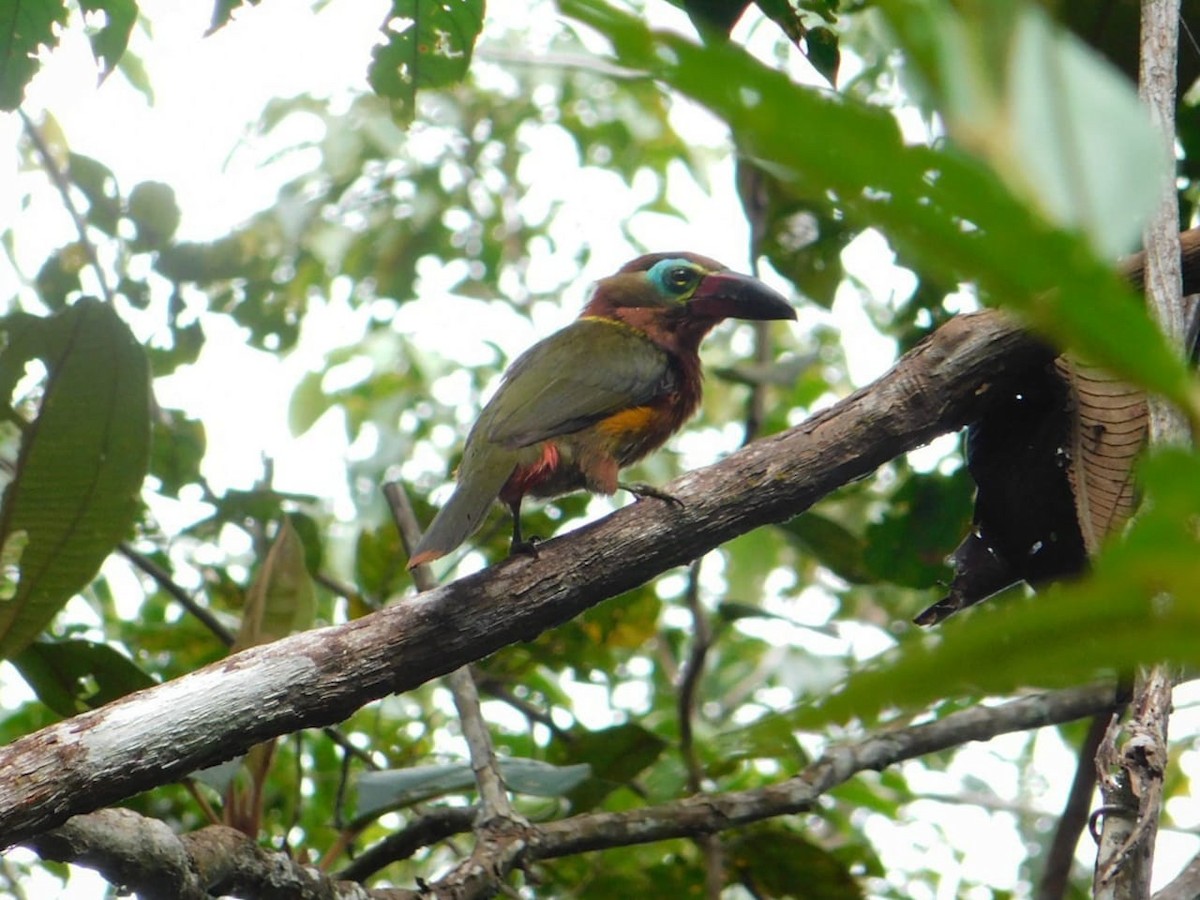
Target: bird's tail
x=478, y=486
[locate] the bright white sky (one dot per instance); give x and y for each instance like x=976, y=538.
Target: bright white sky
x=195, y=137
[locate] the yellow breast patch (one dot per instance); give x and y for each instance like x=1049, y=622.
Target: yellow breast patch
x=635, y=420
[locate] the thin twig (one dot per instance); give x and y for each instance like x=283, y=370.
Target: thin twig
x=63, y=186
x=498, y=691
x=181, y=595
x=345, y=591
x=493, y=798
x=709, y=844
x=689, y=680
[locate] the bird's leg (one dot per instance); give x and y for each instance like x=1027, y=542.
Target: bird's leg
x=529, y=547
x=640, y=490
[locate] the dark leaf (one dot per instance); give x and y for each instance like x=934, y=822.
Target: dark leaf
x=58, y=278
x=824, y=52
x=923, y=523
x=834, y=546
x=25, y=27
x=73, y=676
x=110, y=40
x=99, y=185
x=177, y=450
x=777, y=862
x=223, y=11
x=429, y=44
x=616, y=756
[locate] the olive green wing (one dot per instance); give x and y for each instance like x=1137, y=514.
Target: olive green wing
x=580, y=375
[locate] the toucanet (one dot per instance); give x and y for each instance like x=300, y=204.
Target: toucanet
x=598, y=395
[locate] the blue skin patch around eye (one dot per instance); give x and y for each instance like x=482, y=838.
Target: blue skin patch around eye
x=660, y=275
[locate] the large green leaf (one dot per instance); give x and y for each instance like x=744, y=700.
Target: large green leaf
x=75, y=490
x=1061, y=125
x=25, y=27
x=429, y=44
x=947, y=211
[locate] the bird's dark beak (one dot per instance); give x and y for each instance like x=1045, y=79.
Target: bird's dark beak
x=723, y=295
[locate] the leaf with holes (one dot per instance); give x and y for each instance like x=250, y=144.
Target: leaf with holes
x=24, y=29
x=429, y=44
x=112, y=37
x=74, y=494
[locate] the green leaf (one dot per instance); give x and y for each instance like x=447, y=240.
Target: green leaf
x=75, y=491
x=824, y=52
x=58, y=278
x=429, y=44
x=99, y=185
x=834, y=546
x=223, y=12
x=154, y=213
x=1061, y=125
x=177, y=451
x=379, y=562
x=283, y=597
x=110, y=39
x=944, y=209
x=25, y=27
x=924, y=521
x=394, y=788
x=615, y=756
x=73, y=676
x=782, y=863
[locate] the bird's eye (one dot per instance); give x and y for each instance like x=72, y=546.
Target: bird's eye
x=681, y=278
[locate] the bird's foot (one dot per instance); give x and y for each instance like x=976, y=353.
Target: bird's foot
x=525, y=548
x=641, y=491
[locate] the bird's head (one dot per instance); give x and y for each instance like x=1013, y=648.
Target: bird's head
x=663, y=293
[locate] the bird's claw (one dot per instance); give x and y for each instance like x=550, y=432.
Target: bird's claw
x=525, y=548
x=641, y=491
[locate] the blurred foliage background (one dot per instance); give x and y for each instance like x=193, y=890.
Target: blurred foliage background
x=885, y=162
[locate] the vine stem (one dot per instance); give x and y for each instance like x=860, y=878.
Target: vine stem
x=1131, y=774
x=493, y=797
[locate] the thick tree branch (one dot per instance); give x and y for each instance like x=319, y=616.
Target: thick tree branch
x=143, y=855
x=322, y=676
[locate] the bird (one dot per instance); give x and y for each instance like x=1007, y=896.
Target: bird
x=598, y=395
